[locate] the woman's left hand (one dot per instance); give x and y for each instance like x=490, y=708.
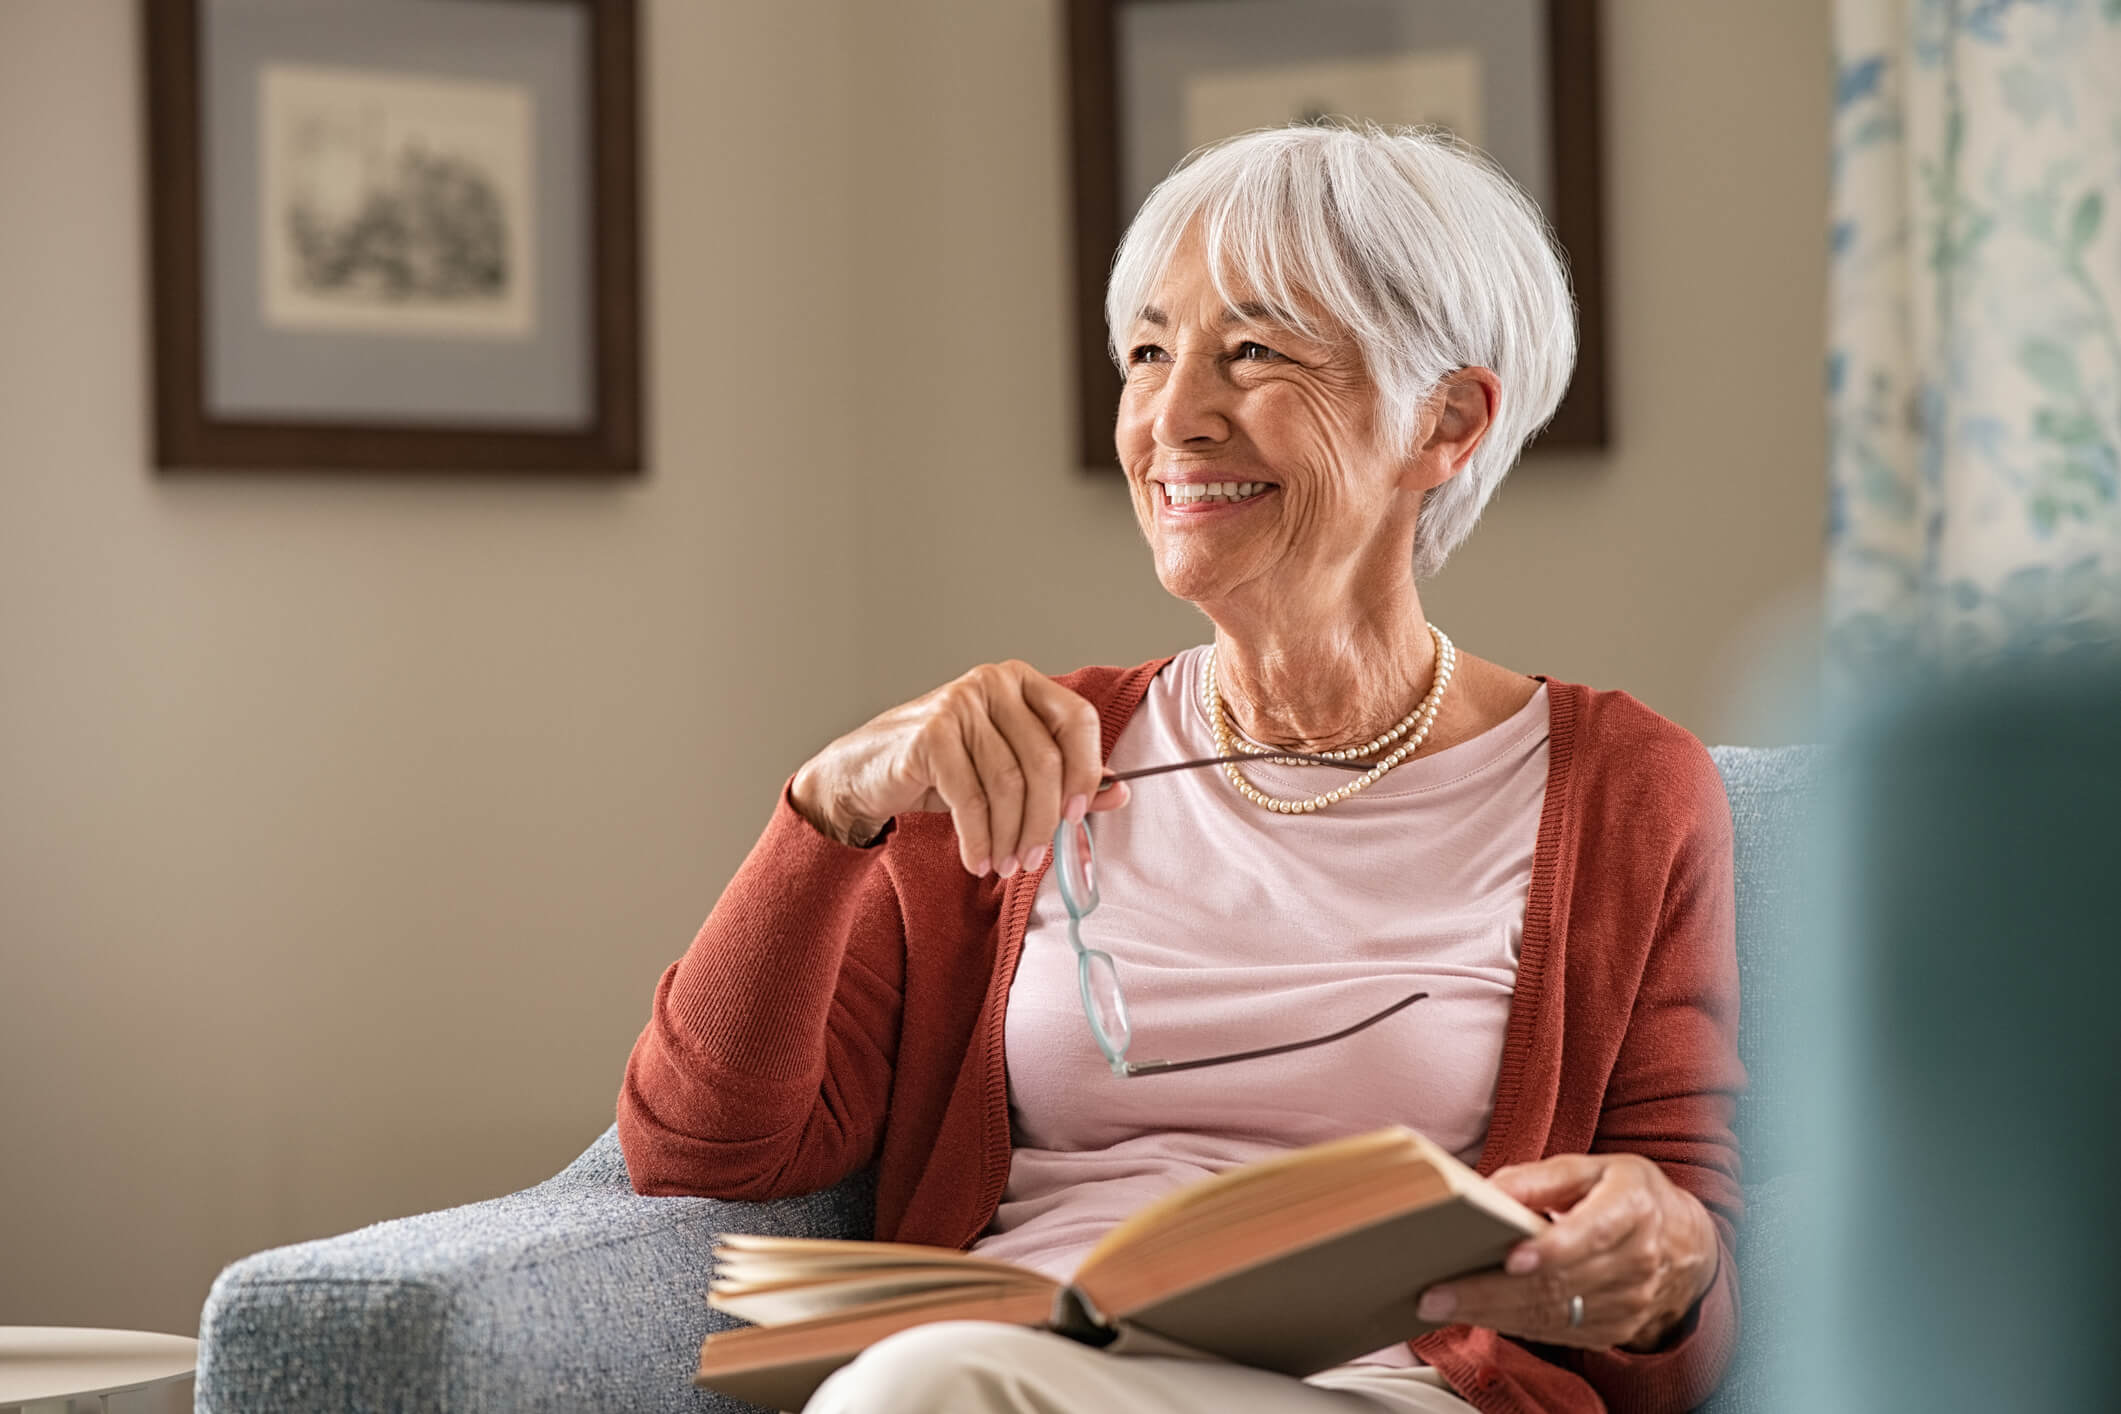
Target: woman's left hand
x=1636, y=1247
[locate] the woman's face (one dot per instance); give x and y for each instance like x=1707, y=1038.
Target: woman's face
x=1221, y=395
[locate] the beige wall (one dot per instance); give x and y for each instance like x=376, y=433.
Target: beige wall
x=344, y=825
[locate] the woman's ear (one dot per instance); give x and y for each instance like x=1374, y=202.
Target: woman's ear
x=1461, y=410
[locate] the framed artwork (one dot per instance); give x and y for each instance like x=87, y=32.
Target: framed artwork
x=395, y=234
x=1153, y=79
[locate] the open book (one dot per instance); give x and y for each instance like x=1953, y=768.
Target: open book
x=1294, y=1263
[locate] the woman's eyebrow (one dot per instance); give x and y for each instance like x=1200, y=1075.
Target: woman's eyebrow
x=1253, y=312
x=1250, y=312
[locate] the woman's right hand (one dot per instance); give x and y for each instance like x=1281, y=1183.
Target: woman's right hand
x=1005, y=749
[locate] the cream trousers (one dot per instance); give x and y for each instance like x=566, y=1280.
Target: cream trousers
x=982, y=1367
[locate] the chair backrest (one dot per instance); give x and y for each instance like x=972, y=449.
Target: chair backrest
x=1772, y=792
x=1774, y=796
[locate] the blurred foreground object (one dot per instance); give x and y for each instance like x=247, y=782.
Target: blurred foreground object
x=1962, y=1088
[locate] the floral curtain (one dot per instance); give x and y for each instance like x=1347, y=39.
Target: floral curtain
x=1974, y=370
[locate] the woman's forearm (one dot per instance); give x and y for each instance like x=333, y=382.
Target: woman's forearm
x=724, y=1090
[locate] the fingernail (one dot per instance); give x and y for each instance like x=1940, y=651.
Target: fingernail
x=1523, y=1260
x=980, y=869
x=1436, y=1303
x=1008, y=867
x=1038, y=857
x=1078, y=806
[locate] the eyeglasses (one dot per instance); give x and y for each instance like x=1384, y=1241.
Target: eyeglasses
x=1075, y=857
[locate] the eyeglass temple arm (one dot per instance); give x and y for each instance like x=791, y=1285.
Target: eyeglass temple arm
x=1158, y=1067
x=1309, y=760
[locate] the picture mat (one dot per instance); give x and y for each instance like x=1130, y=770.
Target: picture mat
x=1164, y=45
x=1439, y=89
x=324, y=131
x=253, y=370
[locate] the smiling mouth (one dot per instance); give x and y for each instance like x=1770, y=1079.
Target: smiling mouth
x=1212, y=493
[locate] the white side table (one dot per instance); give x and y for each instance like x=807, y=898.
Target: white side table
x=71, y=1370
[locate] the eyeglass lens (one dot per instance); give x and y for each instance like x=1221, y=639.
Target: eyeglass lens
x=1107, y=1007
x=1078, y=865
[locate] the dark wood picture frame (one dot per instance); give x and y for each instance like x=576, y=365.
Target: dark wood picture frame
x=1577, y=214
x=189, y=437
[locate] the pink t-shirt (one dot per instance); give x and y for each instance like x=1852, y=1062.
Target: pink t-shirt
x=1233, y=928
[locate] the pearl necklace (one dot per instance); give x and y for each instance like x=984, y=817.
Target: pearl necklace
x=1229, y=743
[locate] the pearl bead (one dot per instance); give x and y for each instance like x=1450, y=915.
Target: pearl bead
x=1421, y=719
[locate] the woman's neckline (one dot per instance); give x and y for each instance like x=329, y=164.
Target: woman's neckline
x=1426, y=771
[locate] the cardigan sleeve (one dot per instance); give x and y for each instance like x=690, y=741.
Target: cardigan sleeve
x=1674, y=1090
x=765, y=1067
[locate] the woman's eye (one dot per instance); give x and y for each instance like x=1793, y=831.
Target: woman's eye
x=1255, y=353
x=1144, y=353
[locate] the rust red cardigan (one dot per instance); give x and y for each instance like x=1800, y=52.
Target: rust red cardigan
x=843, y=1007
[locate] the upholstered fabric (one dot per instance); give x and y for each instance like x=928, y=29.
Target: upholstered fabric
x=577, y=1294
x=1775, y=1213
x=569, y=1296
x=1770, y=791
x=1771, y=794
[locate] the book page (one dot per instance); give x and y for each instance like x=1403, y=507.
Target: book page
x=767, y=1255
x=1264, y=1186
x=778, y=1280
x=787, y=1303
x=1214, y=1230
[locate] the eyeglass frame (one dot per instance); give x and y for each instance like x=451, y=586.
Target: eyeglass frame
x=1087, y=958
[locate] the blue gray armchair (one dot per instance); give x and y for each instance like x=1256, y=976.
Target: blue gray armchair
x=577, y=1294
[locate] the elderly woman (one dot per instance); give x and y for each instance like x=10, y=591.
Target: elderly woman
x=1335, y=343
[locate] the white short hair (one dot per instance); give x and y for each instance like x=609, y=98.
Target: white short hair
x=1410, y=241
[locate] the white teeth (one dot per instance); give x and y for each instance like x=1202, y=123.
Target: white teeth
x=1178, y=494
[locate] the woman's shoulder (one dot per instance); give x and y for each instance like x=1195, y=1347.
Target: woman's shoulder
x=1611, y=719
x=1114, y=691
x=1629, y=758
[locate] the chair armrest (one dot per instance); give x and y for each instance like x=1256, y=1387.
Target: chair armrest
x=1760, y=1380
x=576, y=1294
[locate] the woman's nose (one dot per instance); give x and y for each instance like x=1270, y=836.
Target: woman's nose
x=1192, y=406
